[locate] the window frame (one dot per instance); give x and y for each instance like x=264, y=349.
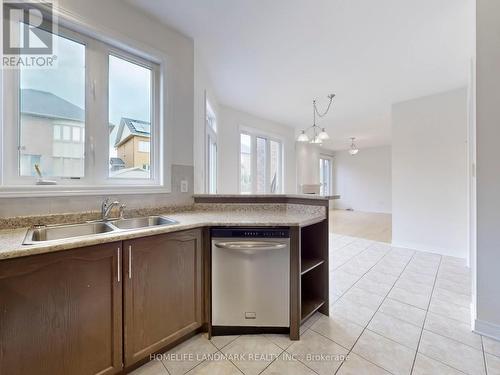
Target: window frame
x=155, y=161
x=96, y=177
x=254, y=134
x=330, y=174
x=211, y=139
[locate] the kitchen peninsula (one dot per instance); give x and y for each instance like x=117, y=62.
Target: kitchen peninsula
x=140, y=291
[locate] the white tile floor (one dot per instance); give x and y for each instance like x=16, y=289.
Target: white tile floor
x=392, y=311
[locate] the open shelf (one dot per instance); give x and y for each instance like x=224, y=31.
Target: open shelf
x=314, y=269
x=309, y=307
x=310, y=264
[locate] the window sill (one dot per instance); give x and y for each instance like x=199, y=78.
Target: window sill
x=65, y=191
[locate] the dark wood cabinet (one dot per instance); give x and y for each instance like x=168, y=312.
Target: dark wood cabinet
x=61, y=313
x=163, y=291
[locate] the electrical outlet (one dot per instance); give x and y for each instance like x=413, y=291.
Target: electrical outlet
x=184, y=186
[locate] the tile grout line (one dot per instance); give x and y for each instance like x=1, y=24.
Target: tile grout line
x=360, y=277
x=381, y=303
x=351, y=258
x=449, y=338
x=426, y=312
x=484, y=357
x=205, y=360
x=303, y=363
x=165, y=367
x=237, y=368
x=307, y=329
x=240, y=370
x=275, y=359
x=355, y=255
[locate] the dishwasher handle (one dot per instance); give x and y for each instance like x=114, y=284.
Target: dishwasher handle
x=250, y=245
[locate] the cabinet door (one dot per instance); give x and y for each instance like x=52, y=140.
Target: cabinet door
x=162, y=291
x=60, y=313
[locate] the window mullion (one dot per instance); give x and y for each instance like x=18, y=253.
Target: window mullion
x=253, y=170
x=10, y=134
x=97, y=97
x=268, y=165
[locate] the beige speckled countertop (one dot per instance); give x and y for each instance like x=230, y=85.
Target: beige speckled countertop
x=203, y=215
x=270, y=196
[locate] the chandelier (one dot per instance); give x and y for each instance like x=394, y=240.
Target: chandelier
x=318, y=134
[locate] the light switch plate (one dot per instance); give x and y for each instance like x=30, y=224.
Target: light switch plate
x=184, y=186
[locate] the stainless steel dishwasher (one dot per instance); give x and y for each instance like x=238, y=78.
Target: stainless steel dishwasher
x=250, y=280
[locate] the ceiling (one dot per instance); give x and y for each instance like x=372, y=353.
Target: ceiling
x=270, y=58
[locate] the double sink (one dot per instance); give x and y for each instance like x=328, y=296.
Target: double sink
x=42, y=234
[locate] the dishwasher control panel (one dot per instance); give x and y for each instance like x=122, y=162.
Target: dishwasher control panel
x=251, y=232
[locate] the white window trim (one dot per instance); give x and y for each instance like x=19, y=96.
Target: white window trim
x=254, y=134
x=330, y=158
x=210, y=135
x=82, y=29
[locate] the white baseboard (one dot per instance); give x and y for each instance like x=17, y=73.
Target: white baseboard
x=487, y=329
x=424, y=248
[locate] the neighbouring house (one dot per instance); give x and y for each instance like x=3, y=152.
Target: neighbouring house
x=133, y=143
x=52, y=135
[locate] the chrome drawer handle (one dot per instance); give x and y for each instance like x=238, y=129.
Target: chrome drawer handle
x=250, y=245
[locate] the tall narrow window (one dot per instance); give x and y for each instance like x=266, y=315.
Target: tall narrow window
x=275, y=166
x=325, y=176
x=130, y=130
x=246, y=163
x=261, y=164
x=52, y=115
x=211, y=149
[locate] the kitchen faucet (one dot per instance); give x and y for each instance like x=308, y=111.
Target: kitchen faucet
x=106, y=208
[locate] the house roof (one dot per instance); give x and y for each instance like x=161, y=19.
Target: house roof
x=45, y=104
x=132, y=127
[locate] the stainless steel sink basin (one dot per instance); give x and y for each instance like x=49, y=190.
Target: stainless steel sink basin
x=142, y=222
x=60, y=232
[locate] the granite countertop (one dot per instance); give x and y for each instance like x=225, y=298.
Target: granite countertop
x=210, y=215
x=297, y=196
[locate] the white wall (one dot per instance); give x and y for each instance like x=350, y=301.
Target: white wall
x=488, y=170
x=230, y=122
x=363, y=180
x=429, y=173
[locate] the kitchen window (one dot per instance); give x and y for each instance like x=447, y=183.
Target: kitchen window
x=91, y=121
x=325, y=176
x=211, y=149
x=261, y=164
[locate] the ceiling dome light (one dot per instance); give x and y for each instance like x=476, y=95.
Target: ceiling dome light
x=303, y=137
x=353, y=150
x=323, y=135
